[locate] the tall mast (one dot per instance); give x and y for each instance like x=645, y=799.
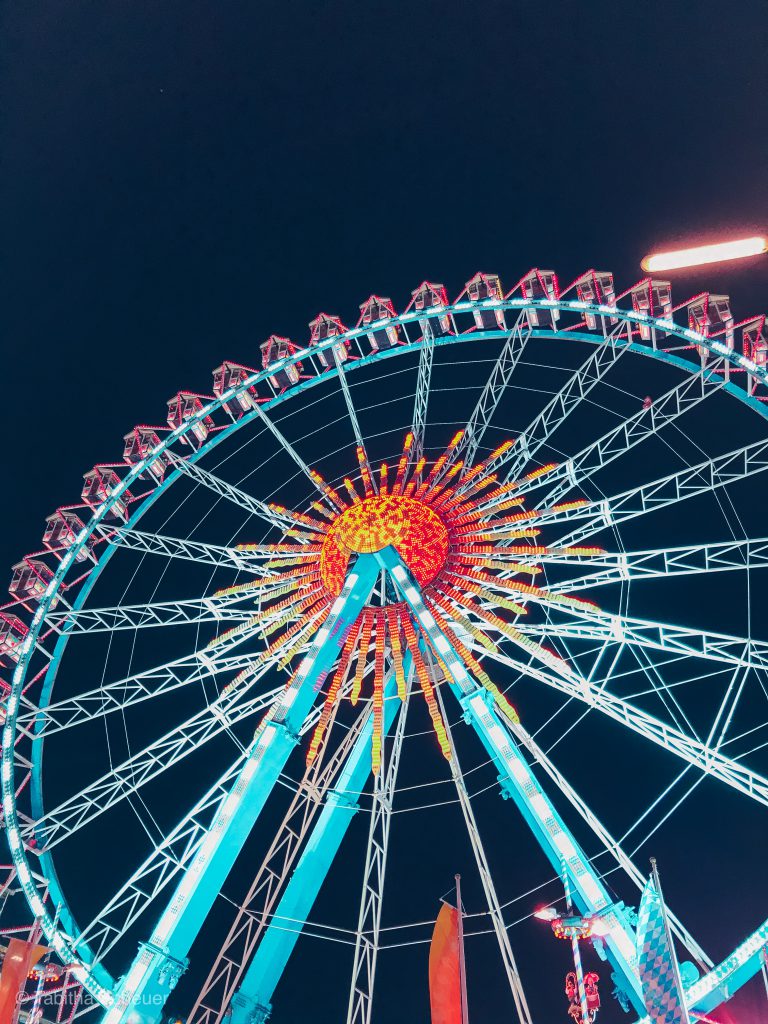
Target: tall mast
x=462, y=964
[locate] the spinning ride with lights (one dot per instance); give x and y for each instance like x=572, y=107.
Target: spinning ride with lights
x=465, y=573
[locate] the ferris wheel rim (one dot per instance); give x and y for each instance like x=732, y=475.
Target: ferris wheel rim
x=464, y=337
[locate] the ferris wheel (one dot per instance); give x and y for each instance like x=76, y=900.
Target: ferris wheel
x=423, y=561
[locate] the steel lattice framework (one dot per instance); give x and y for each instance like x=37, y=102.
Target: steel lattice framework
x=421, y=576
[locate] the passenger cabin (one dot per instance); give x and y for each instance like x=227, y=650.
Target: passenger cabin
x=138, y=444
x=322, y=328
x=5, y=692
x=100, y=484
x=61, y=532
x=755, y=340
x=13, y=633
x=274, y=350
x=485, y=289
x=652, y=298
x=30, y=579
x=375, y=314
x=541, y=285
x=711, y=315
x=596, y=287
x=183, y=407
x=433, y=297
x=232, y=375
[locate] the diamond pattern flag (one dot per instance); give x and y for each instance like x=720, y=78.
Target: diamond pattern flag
x=659, y=975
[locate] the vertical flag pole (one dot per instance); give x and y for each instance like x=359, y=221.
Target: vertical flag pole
x=675, y=965
x=576, y=955
x=462, y=964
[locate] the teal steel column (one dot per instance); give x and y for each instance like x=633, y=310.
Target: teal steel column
x=252, y=1002
x=142, y=993
x=518, y=781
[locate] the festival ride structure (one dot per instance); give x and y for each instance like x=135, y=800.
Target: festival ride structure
x=455, y=559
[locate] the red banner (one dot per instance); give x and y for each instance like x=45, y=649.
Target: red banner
x=20, y=958
x=444, y=970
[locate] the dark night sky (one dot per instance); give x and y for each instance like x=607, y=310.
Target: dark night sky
x=181, y=180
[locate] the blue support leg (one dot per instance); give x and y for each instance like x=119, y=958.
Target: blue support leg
x=252, y=1002
x=142, y=993
x=519, y=783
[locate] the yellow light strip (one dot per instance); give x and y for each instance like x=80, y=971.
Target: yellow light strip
x=377, y=737
x=426, y=688
x=393, y=623
x=362, y=655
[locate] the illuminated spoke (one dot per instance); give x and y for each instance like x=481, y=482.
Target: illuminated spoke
x=694, y=559
x=561, y=405
x=660, y=493
x=352, y=413
x=128, y=777
x=692, y=751
x=660, y=636
x=423, y=378
x=234, y=494
x=492, y=393
x=137, y=687
x=288, y=448
x=158, y=613
x=632, y=431
x=174, y=547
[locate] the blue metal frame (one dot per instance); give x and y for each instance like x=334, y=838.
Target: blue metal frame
x=100, y=983
x=162, y=960
x=252, y=1002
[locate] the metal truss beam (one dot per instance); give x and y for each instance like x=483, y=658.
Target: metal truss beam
x=175, y=547
x=659, y=636
x=495, y=386
x=423, y=378
x=169, y=859
x=692, y=751
x=685, y=483
x=694, y=559
x=369, y=920
x=156, y=872
x=157, y=613
x=561, y=405
x=234, y=494
x=161, y=961
x=37, y=722
x=128, y=777
x=632, y=431
x=352, y=413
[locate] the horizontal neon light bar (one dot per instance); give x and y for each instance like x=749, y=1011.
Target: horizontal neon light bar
x=701, y=254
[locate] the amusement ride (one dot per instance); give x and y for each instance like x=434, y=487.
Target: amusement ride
x=474, y=534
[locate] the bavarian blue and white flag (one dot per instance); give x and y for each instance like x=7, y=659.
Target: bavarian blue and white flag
x=659, y=976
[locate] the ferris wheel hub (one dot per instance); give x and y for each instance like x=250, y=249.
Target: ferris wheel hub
x=414, y=529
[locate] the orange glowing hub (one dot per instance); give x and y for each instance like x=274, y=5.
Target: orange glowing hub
x=414, y=529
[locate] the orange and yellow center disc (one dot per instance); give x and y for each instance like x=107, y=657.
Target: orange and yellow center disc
x=411, y=527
